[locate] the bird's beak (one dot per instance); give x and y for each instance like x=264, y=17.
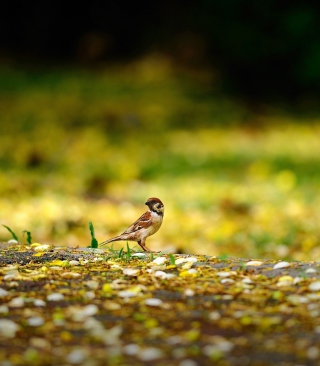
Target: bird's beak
x=147, y=203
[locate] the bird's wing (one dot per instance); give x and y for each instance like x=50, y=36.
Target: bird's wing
x=142, y=223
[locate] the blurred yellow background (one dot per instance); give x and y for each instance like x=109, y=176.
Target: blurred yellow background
x=78, y=145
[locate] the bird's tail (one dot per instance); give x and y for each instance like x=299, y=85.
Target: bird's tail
x=110, y=240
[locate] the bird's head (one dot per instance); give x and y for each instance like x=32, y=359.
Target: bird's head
x=155, y=205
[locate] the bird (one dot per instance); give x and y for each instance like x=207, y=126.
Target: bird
x=148, y=224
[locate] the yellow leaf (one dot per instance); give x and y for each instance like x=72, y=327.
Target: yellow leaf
x=38, y=254
x=58, y=262
x=187, y=274
x=107, y=287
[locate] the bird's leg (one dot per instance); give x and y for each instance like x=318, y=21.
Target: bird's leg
x=146, y=249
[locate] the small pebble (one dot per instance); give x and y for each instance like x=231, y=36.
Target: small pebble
x=214, y=315
x=311, y=270
x=90, y=295
x=188, y=362
x=131, y=349
x=39, y=343
x=254, y=263
x=3, y=292
x=134, y=272
x=35, y=321
x=223, y=274
x=41, y=248
x=39, y=302
x=189, y=292
x=159, y=260
x=93, y=285
x=76, y=357
x=150, y=354
x=56, y=296
x=313, y=353
x=4, y=309
x=227, y=280
x=281, y=265
x=164, y=275
x=98, y=259
x=188, y=259
x=139, y=255
x=74, y=263
x=17, y=302
x=8, y=328
x=153, y=302
x=314, y=286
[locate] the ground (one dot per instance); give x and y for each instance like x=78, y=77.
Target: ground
x=95, y=307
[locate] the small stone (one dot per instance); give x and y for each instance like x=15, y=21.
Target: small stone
x=42, y=248
x=3, y=292
x=10, y=268
x=189, y=292
x=227, y=281
x=150, y=354
x=98, y=259
x=138, y=255
x=56, y=296
x=17, y=302
x=126, y=294
x=11, y=275
x=39, y=343
x=35, y=321
x=133, y=272
x=313, y=353
x=131, y=349
x=159, y=260
x=188, y=362
x=225, y=274
x=314, y=286
x=214, y=315
x=311, y=270
x=12, y=241
x=4, y=309
x=254, y=263
x=297, y=299
x=175, y=339
x=153, y=302
x=8, y=328
x=281, y=265
x=247, y=280
x=81, y=314
x=112, y=336
x=76, y=356
x=187, y=259
x=164, y=275
x=93, y=285
x=13, y=284
x=74, y=263
x=39, y=302
x=296, y=280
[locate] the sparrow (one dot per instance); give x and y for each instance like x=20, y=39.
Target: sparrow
x=148, y=224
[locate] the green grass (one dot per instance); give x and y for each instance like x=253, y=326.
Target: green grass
x=15, y=237
x=94, y=242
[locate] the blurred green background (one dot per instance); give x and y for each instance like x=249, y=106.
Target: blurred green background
x=212, y=107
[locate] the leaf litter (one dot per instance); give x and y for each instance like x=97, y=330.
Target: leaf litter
x=91, y=307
